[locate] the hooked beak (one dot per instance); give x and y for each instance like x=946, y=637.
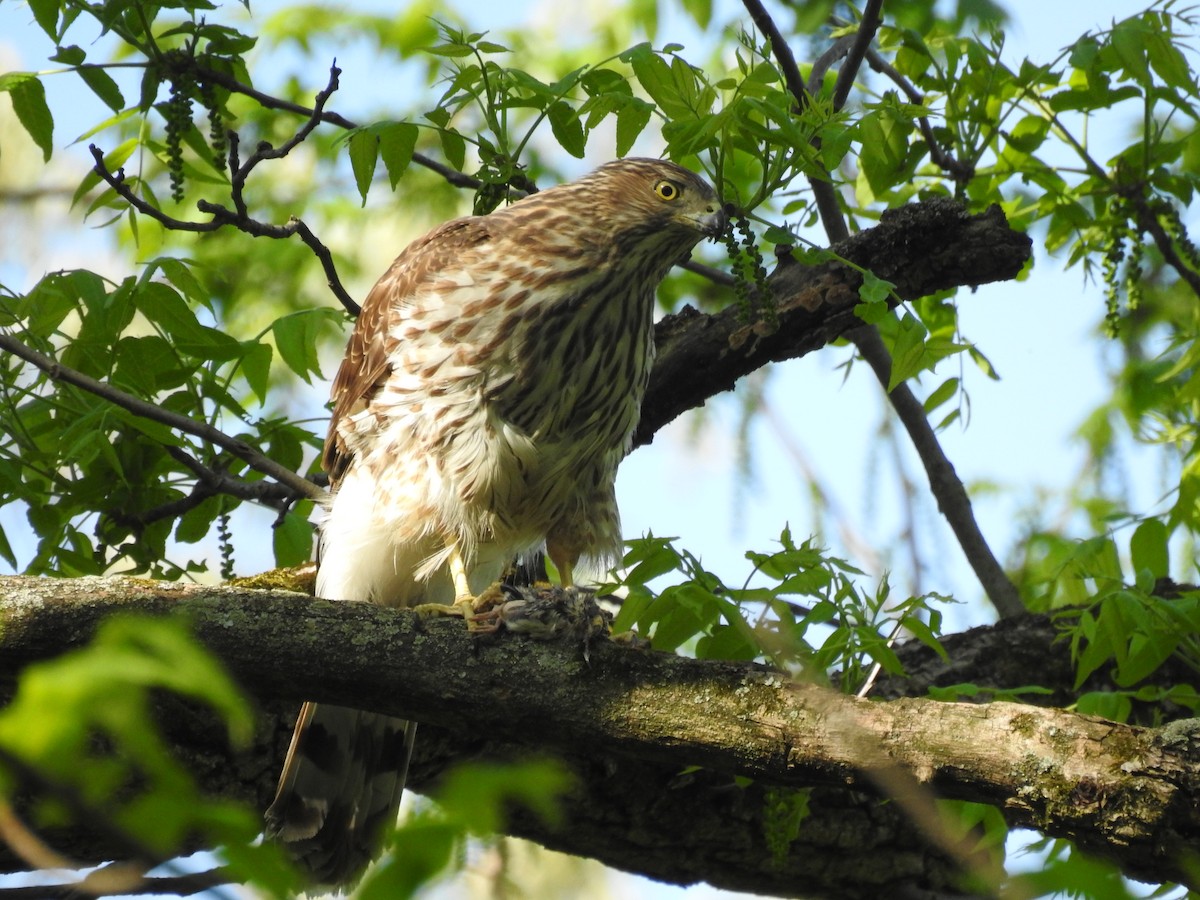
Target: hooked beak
x=711, y=221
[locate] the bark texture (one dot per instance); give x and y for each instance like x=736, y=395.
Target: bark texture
x=922, y=248
x=630, y=722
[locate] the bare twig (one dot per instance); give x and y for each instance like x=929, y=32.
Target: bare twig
x=951, y=496
x=840, y=48
x=29, y=846
x=716, y=276
x=83, y=812
x=453, y=176
x=210, y=483
x=239, y=216
x=952, y=499
x=146, y=410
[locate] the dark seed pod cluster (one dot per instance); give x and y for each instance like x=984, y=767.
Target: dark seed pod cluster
x=225, y=537
x=178, y=112
x=187, y=86
x=1114, y=255
x=216, y=123
x=749, y=272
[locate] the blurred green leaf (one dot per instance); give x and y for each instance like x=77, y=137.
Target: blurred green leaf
x=28, y=98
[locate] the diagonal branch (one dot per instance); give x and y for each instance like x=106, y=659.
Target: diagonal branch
x=147, y=410
x=210, y=483
x=922, y=249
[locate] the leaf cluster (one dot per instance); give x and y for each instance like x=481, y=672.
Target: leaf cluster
x=79, y=738
x=809, y=617
x=134, y=476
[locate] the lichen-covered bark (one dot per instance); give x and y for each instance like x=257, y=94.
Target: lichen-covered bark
x=629, y=722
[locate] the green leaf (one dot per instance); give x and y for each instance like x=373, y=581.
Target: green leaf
x=397, y=140
x=423, y=848
x=163, y=306
x=296, y=339
x=883, y=147
x=657, y=78
x=62, y=705
x=454, y=146
x=875, y=289
x=908, y=352
x=256, y=366
x=148, y=93
x=632, y=119
x=567, y=128
x=102, y=86
x=29, y=103
x=292, y=540
x=700, y=11
x=45, y=13
x=196, y=524
x=944, y=392
x=6, y=550
x=1148, y=548
x=1114, y=705
x=364, y=152
x=72, y=55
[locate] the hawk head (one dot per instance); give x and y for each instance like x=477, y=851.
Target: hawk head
x=648, y=197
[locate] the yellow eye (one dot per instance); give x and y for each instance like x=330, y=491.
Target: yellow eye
x=667, y=190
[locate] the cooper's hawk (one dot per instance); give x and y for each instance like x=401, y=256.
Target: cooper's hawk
x=489, y=390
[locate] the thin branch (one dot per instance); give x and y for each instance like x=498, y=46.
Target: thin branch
x=222, y=216
x=816, y=77
x=716, y=276
x=780, y=49
x=181, y=885
x=31, y=777
x=453, y=176
x=951, y=496
x=849, y=71
x=239, y=217
x=146, y=410
x=210, y=483
x=952, y=499
x=116, y=181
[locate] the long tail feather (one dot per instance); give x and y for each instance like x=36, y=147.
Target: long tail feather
x=340, y=789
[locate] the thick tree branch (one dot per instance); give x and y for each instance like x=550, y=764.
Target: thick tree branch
x=922, y=249
x=1128, y=793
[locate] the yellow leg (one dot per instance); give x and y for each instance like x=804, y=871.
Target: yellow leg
x=565, y=575
x=464, y=600
x=564, y=559
x=458, y=573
